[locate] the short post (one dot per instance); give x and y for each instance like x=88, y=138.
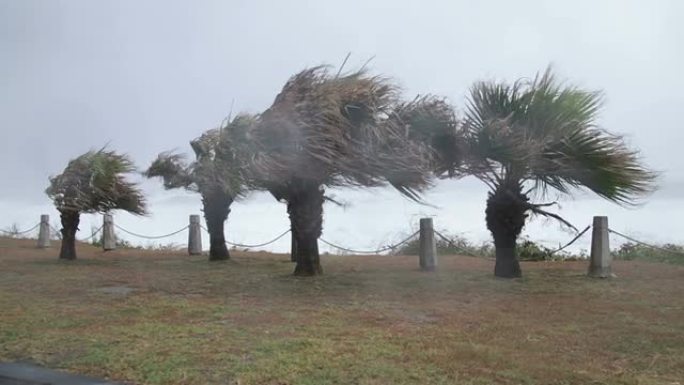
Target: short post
x=428, y=248
x=194, y=236
x=600, y=249
x=44, y=232
x=108, y=235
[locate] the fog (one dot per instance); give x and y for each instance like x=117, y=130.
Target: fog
x=148, y=77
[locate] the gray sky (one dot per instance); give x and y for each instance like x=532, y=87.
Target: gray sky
x=147, y=76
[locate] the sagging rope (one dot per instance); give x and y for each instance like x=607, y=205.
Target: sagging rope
x=150, y=236
x=20, y=232
x=645, y=244
x=92, y=235
x=251, y=246
x=578, y=236
x=454, y=245
x=261, y=244
x=383, y=249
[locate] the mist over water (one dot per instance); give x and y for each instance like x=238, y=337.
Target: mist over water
x=372, y=218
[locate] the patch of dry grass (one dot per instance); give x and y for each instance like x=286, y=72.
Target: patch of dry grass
x=165, y=318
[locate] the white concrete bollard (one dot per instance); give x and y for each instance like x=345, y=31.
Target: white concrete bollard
x=44, y=232
x=428, y=247
x=195, y=236
x=108, y=235
x=601, y=259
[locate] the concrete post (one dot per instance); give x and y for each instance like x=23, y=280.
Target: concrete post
x=108, y=235
x=428, y=248
x=600, y=249
x=44, y=232
x=195, y=236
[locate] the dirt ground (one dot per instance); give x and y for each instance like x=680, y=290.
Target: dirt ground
x=151, y=317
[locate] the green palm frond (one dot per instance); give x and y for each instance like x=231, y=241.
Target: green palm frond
x=223, y=161
x=598, y=161
x=173, y=170
x=545, y=131
x=95, y=182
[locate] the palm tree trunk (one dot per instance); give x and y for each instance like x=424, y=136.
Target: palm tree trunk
x=216, y=209
x=293, y=248
x=305, y=207
x=70, y=220
x=505, y=216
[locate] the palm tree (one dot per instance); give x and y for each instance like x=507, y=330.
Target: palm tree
x=324, y=131
x=527, y=138
x=92, y=183
x=220, y=174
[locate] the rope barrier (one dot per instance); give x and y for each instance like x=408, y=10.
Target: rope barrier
x=250, y=246
x=572, y=241
x=645, y=244
x=20, y=232
x=463, y=250
x=150, y=236
x=91, y=235
x=383, y=249
x=259, y=245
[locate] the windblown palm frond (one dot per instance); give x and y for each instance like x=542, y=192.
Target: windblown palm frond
x=95, y=182
x=222, y=163
x=173, y=170
x=598, y=161
x=329, y=130
x=545, y=132
x=432, y=121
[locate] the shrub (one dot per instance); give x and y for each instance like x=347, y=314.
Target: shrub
x=668, y=253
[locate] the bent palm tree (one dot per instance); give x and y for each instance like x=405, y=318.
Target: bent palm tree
x=537, y=135
x=220, y=173
x=324, y=131
x=92, y=183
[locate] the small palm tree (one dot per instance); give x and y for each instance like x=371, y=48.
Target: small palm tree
x=220, y=174
x=92, y=183
x=534, y=136
x=323, y=131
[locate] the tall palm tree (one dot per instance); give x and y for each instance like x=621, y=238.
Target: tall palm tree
x=533, y=136
x=92, y=183
x=219, y=173
x=327, y=130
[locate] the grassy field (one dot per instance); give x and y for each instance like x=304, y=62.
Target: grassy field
x=144, y=317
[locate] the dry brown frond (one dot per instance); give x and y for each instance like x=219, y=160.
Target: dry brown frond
x=334, y=131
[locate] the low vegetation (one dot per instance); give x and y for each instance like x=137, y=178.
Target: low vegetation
x=667, y=253
x=150, y=317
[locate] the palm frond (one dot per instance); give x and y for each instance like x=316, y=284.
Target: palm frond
x=173, y=170
x=545, y=131
x=96, y=182
x=223, y=161
x=329, y=130
x=598, y=161
x=432, y=121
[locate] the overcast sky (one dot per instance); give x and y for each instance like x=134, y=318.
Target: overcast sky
x=148, y=76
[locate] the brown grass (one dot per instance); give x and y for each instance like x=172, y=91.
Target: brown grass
x=165, y=318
